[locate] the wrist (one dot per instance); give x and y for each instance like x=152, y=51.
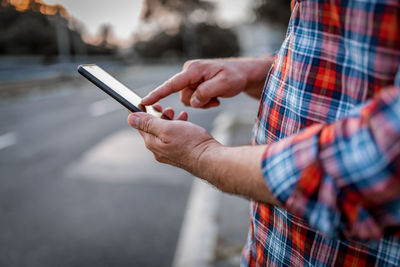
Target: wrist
x=204, y=157
x=228, y=167
x=235, y=170
x=256, y=70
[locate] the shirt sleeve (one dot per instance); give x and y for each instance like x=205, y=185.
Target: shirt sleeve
x=344, y=177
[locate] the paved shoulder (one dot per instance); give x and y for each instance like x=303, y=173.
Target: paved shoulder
x=216, y=224
x=123, y=158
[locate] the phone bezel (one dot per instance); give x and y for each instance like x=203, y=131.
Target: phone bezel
x=106, y=89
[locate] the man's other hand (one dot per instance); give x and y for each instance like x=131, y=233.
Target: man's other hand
x=202, y=82
x=178, y=143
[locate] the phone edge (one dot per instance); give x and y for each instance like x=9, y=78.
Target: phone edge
x=107, y=89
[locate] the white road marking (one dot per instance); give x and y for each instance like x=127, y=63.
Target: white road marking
x=199, y=232
x=198, y=237
x=7, y=140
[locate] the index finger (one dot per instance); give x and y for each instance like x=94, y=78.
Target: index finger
x=172, y=85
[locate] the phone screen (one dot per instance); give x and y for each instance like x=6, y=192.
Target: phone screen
x=114, y=88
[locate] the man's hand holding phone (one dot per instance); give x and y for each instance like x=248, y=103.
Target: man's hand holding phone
x=178, y=143
x=189, y=146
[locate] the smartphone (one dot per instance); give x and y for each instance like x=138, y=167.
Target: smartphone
x=115, y=89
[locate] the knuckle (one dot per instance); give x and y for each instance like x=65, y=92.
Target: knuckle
x=146, y=123
x=165, y=136
x=159, y=158
x=187, y=64
x=223, y=77
x=156, y=157
x=197, y=65
x=148, y=146
x=190, y=63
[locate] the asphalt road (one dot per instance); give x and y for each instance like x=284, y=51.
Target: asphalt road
x=77, y=186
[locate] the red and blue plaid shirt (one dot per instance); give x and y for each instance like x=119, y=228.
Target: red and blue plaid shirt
x=330, y=112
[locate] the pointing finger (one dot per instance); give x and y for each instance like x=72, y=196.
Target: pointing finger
x=174, y=84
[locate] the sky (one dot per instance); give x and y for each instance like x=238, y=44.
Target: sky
x=123, y=15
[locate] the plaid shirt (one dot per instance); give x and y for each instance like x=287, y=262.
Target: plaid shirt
x=330, y=112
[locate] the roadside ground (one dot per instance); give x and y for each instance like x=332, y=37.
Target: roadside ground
x=81, y=161
x=215, y=225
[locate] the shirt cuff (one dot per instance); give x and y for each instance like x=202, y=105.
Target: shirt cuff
x=285, y=162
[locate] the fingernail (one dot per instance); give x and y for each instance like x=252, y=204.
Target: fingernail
x=134, y=121
x=195, y=101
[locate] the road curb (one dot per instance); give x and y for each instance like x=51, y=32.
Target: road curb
x=199, y=232
x=198, y=237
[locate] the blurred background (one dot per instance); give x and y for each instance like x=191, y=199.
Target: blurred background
x=77, y=186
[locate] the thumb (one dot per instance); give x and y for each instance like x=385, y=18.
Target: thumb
x=145, y=123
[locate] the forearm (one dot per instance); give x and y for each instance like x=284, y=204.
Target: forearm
x=236, y=170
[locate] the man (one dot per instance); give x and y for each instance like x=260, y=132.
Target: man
x=324, y=173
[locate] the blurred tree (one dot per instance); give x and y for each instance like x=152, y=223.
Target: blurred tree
x=29, y=27
x=160, y=45
x=157, y=9
x=32, y=5
x=273, y=11
x=186, y=29
x=180, y=15
x=212, y=42
x=105, y=35
x=25, y=32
